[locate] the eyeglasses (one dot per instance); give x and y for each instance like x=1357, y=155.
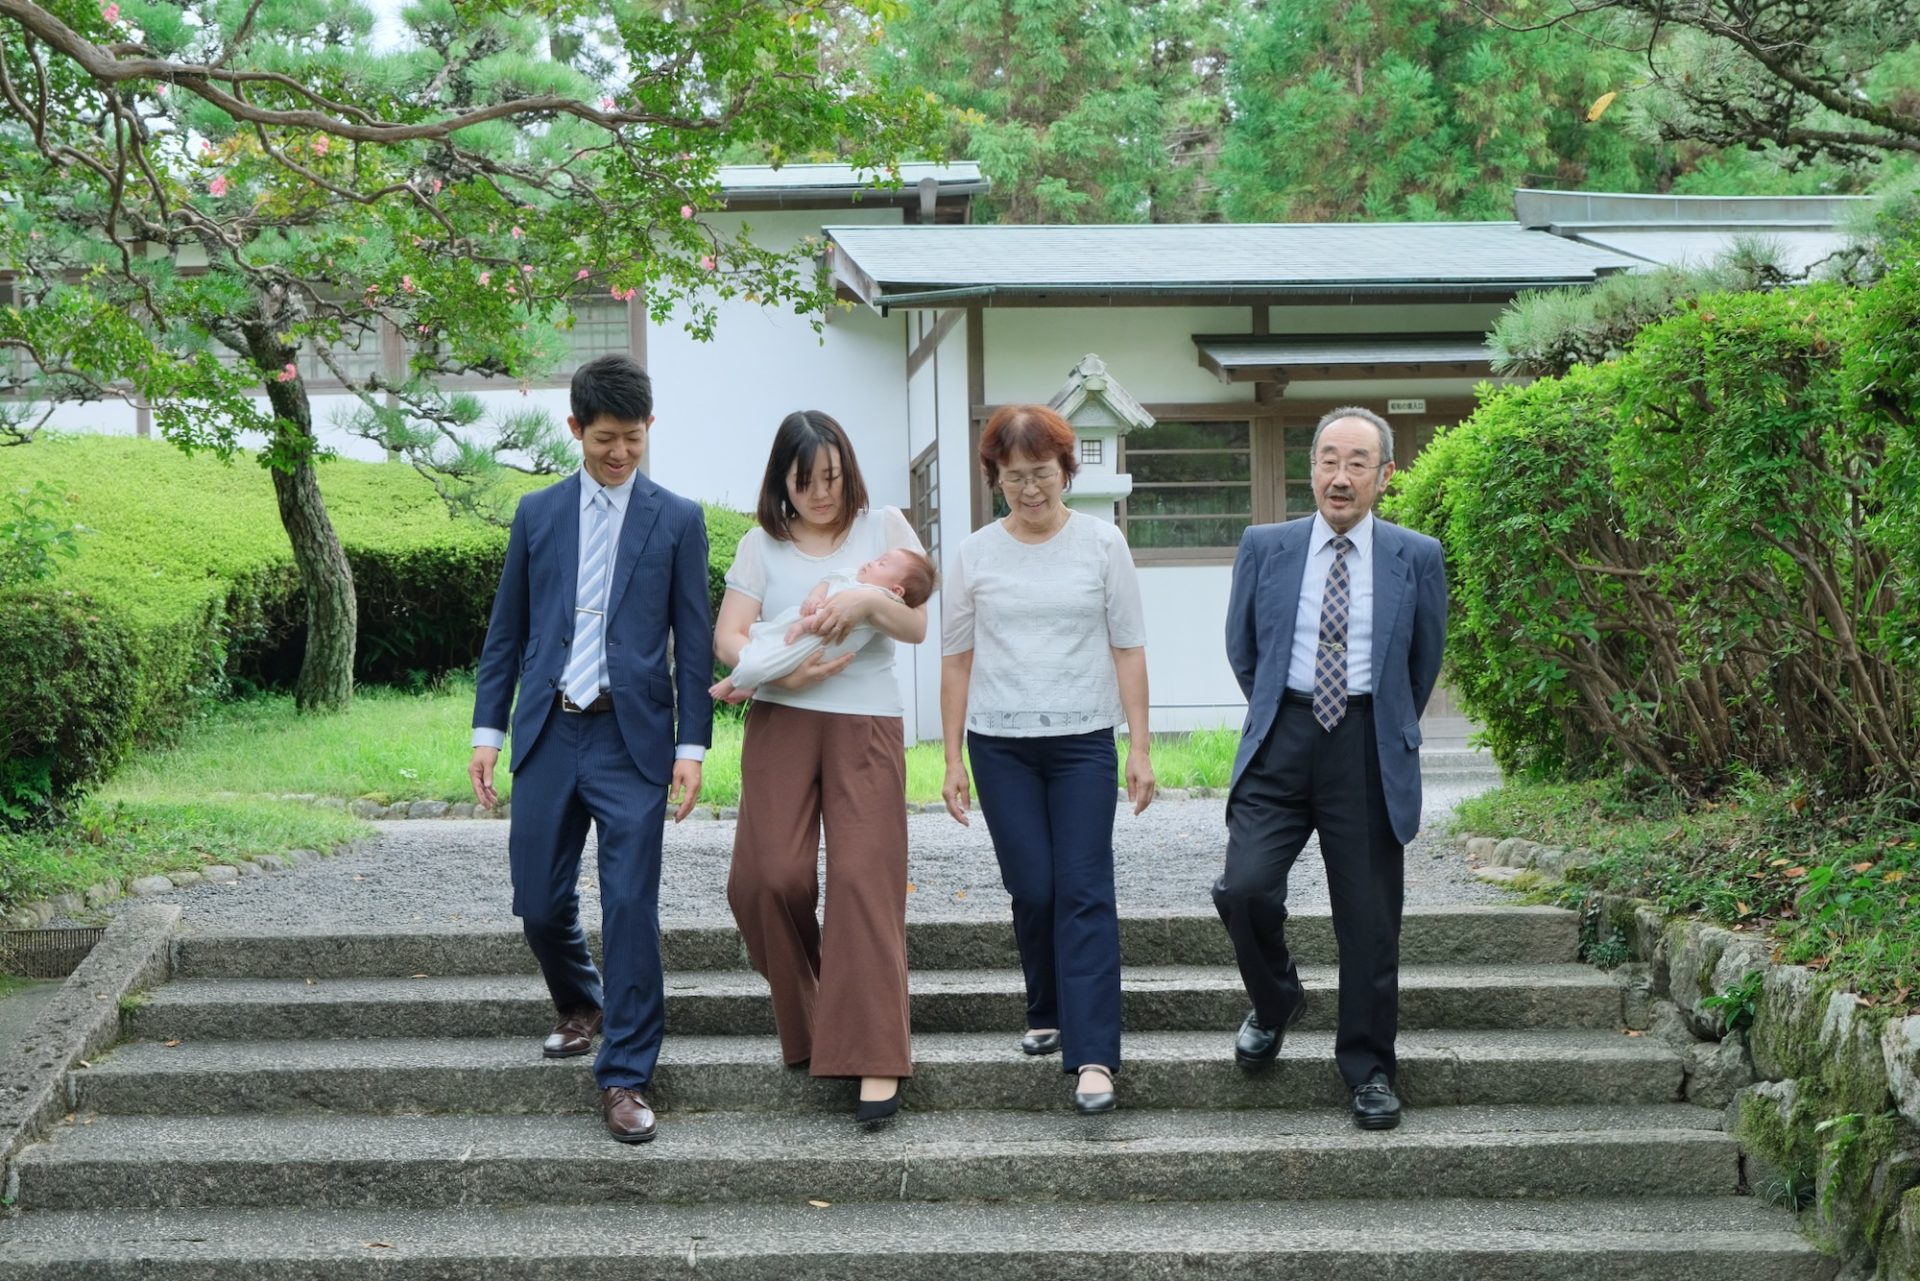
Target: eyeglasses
x=1353, y=467
x=1020, y=480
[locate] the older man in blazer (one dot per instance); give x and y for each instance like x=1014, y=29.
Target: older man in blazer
x=605, y=583
x=1335, y=625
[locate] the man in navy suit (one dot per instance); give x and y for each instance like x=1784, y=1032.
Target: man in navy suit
x=605, y=584
x=1335, y=624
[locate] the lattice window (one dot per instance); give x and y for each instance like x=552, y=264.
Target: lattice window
x=1092, y=452
x=601, y=327
x=923, y=484
x=1192, y=484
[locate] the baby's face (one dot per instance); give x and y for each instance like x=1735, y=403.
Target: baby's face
x=888, y=571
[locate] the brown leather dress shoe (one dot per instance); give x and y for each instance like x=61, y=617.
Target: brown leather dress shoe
x=629, y=1118
x=573, y=1036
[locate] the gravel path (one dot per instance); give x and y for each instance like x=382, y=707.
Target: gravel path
x=436, y=872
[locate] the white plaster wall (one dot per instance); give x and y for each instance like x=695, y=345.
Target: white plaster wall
x=1031, y=351
x=1188, y=680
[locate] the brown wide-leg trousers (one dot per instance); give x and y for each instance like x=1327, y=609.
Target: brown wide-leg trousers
x=839, y=994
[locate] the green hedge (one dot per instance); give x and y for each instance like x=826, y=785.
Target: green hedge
x=187, y=558
x=1702, y=558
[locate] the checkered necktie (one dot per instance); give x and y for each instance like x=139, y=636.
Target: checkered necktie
x=1330, y=660
x=586, y=674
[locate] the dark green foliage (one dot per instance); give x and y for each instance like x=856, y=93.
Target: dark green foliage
x=33, y=535
x=1415, y=109
x=69, y=684
x=1698, y=559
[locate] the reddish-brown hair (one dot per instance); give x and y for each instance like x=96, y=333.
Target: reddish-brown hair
x=1033, y=430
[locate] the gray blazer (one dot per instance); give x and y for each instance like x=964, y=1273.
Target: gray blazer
x=1409, y=631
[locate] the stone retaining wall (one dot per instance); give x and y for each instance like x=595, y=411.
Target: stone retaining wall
x=1822, y=1092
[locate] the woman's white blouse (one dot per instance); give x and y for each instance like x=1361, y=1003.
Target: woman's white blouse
x=1041, y=620
x=779, y=576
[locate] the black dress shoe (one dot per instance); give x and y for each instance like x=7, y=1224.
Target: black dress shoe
x=1258, y=1043
x=1375, y=1106
x=873, y=1113
x=1040, y=1043
x=1090, y=1104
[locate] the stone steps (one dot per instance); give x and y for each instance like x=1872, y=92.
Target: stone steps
x=951, y=1070
x=718, y=1002
x=419, y=1162
x=1645, y=1239
x=1494, y=934
x=368, y=1105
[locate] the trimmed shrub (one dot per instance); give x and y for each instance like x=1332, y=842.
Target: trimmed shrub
x=1699, y=558
x=67, y=700
x=187, y=557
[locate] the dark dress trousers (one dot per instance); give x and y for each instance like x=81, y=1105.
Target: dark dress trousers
x=610, y=769
x=1358, y=785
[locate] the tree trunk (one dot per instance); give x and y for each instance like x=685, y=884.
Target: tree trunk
x=326, y=669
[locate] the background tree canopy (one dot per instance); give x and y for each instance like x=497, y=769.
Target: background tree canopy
x=1296, y=110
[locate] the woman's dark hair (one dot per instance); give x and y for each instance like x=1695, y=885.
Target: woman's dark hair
x=1034, y=430
x=798, y=443
x=616, y=386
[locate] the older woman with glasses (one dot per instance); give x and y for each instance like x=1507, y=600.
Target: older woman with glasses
x=1044, y=652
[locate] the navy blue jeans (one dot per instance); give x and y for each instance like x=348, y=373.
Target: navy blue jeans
x=1049, y=807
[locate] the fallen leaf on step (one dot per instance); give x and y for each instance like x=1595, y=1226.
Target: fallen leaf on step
x=170, y=1044
x=959, y=894
x=379, y=1245
x=819, y=1205
x=85, y=1064
x=88, y=1121
x=310, y=983
x=416, y=976
x=912, y=888
x=1635, y=1032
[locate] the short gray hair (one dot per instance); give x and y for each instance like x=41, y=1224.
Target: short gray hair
x=1333, y=416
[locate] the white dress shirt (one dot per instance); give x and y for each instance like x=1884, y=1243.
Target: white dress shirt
x=618, y=497
x=1313, y=590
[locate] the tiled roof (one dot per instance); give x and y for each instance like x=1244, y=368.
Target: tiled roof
x=883, y=262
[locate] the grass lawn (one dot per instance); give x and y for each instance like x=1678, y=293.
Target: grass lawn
x=213, y=797
x=1836, y=883
x=393, y=746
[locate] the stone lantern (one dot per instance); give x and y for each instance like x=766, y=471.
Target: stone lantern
x=1100, y=411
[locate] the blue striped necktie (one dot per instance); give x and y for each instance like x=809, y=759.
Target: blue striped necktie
x=1330, y=661
x=586, y=674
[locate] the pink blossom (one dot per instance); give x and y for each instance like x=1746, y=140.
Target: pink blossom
x=512, y=290
x=486, y=277
x=686, y=211
x=581, y=274
x=606, y=104
x=423, y=329
x=623, y=295
x=321, y=146
x=288, y=373
x=161, y=90
x=517, y=233
x=218, y=187
x=436, y=186
x=111, y=12
x=526, y=269
x=416, y=242
x=406, y=283
x=706, y=260
x=206, y=147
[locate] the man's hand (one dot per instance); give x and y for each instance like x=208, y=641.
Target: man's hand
x=684, y=792
x=480, y=774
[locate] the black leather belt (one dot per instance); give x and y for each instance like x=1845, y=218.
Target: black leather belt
x=604, y=703
x=1301, y=699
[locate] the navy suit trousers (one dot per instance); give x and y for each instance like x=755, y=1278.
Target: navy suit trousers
x=580, y=772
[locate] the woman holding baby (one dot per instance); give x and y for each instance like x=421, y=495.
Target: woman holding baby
x=825, y=744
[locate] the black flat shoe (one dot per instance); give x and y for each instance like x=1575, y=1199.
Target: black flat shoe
x=873, y=1113
x=1258, y=1043
x=1092, y=1104
x=1037, y=1043
x=1375, y=1106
